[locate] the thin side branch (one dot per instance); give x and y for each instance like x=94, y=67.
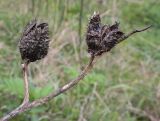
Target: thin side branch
x=133, y=32
x=41, y=101
x=26, y=83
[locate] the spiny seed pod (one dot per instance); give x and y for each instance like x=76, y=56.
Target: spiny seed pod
x=101, y=38
x=93, y=34
x=110, y=36
x=34, y=42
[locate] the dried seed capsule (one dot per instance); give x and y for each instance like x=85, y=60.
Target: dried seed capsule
x=93, y=34
x=34, y=42
x=110, y=36
x=101, y=38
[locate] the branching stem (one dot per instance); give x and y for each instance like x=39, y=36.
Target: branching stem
x=26, y=105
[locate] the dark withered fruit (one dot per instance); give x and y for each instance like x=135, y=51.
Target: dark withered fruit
x=101, y=38
x=111, y=36
x=34, y=42
x=93, y=34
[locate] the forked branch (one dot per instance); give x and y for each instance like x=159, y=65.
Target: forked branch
x=28, y=105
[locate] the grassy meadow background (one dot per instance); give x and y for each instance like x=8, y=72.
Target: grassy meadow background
x=125, y=83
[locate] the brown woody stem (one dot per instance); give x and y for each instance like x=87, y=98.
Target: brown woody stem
x=28, y=105
x=26, y=83
x=133, y=32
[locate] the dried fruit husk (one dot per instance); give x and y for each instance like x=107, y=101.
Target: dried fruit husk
x=102, y=38
x=34, y=43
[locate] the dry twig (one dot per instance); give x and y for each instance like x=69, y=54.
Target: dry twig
x=26, y=83
x=28, y=105
x=133, y=32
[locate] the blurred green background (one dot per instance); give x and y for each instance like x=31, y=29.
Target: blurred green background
x=125, y=83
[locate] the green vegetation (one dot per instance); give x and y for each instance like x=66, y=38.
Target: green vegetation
x=126, y=77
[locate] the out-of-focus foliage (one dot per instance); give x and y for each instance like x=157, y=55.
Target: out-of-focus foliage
x=126, y=77
x=148, y=14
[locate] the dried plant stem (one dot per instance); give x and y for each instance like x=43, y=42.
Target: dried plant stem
x=28, y=105
x=133, y=32
x=26, y=83
x=80, y=31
